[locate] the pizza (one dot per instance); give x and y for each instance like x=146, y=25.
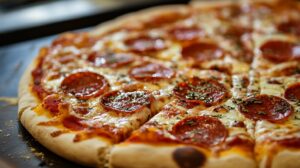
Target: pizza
x=208, y=84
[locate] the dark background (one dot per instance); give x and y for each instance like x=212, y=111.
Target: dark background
x=20, y=40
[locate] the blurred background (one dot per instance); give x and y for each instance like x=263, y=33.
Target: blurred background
x=26, y=19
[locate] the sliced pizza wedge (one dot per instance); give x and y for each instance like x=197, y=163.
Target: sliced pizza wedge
x=276, y=55
x=273, y=111
x=88, y=97
x=201, y=127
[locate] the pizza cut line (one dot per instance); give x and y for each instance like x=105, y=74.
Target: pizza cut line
x=209, y=84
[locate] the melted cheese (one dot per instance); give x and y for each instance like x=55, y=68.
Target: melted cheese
x=266, y=130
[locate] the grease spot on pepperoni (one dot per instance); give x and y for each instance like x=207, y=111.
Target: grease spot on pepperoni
x=266, y=107
x=292, y=93
x=73, y=123
x=200, y=130
x=126, y=101
x=189, y=157
x=52, y=103
x=292, y=26
x=203, y=91
x=84, y=85
x=186, y=33
x=280, y=51
x=202, y=51
x=145, y=44
x=112, y=60
x=151, y=72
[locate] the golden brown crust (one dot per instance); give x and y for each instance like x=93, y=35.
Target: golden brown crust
x=211, y=4
x=85, y=152
x=286, y=159
x=162, y=156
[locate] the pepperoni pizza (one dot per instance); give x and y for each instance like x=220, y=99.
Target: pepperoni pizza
x=209, y=84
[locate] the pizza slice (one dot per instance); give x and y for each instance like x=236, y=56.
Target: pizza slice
x=189, y=41
x=276, y=55
x=201, y=127
x=273, y=111
x=87, y=98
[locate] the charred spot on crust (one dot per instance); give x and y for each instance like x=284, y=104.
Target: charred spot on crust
x=188, y=157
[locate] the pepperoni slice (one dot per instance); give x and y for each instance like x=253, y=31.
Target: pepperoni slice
x=280, y=51
x=84, y=85
x=73, y=123
x=186, y=33
x=51, y=103
x=112, y=60
x=292, y=93
x=200, y=130
x=292, y=26
x=202, y=91
x=151, y=72
x=145, y=44
x=266, y=107
x=126, y=102
x=202, y=51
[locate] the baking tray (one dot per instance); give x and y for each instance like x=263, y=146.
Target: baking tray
x=17, y=147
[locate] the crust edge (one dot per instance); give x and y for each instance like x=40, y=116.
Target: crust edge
x=85, y=152
x=161, y=157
